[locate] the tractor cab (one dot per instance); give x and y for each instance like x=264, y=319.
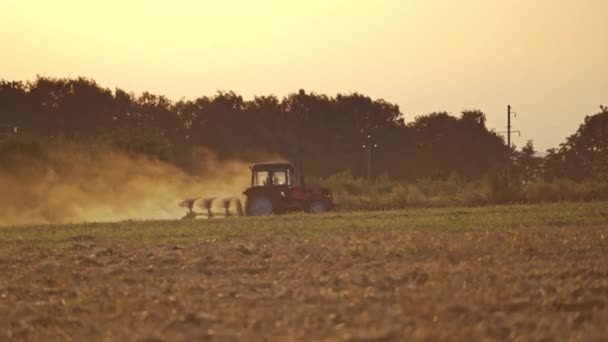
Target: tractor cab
x=272, y=174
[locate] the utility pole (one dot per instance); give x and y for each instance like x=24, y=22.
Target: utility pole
x=509, y=145
x=509, y=131
x=369, y=146
x=369, y=164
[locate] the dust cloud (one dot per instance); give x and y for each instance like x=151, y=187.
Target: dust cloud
x=70, y=183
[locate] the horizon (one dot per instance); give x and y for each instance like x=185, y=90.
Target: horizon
x=545, y=59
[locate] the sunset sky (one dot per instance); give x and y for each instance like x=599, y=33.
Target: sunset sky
x=547, y=58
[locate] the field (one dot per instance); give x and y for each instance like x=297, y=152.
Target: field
x=526, y=272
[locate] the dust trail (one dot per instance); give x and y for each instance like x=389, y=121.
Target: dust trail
x=74, y=183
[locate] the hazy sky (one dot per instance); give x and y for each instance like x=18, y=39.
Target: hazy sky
x=547, y=58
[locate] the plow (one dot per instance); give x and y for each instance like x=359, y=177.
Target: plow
x=275, y=189
x=207, y=205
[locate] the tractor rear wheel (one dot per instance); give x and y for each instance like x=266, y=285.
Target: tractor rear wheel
x=317, y=206
x=259, y=206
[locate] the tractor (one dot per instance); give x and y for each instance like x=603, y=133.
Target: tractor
x=274, y=190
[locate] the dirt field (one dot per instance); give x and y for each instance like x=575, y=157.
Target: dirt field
x=523, y=272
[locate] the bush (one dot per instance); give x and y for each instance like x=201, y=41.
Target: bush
x=345, y=183
x=356, y=194
x=565, y=190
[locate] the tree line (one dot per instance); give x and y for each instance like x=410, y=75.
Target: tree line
x=325, y=133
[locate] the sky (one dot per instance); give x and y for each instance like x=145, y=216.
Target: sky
x=548, y=59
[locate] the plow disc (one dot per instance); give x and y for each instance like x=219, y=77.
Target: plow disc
x=210, y=210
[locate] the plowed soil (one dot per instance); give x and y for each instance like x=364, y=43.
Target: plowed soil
x=542, y=283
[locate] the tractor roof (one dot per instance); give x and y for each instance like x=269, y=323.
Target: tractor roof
x=272, y=165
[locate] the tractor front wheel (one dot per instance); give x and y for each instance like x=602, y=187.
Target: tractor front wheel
x=259, y=206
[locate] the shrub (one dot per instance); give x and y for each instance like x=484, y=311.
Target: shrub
x=356, y=194
x=345, y=183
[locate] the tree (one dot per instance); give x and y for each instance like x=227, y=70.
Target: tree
x=447, y=144
x=325, y=132
x=584, y=154
x=527, y=163
x=553, y=165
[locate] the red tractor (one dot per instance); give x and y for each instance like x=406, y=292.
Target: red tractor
x=273, y=191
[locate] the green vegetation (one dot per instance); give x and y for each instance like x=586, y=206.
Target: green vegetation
x=357, y=194
x=302, y=226
x=324, y=132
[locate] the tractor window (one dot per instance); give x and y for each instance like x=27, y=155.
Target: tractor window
x=269, y=178
x=276, y=177
x=262, y=178
x=279, y=178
